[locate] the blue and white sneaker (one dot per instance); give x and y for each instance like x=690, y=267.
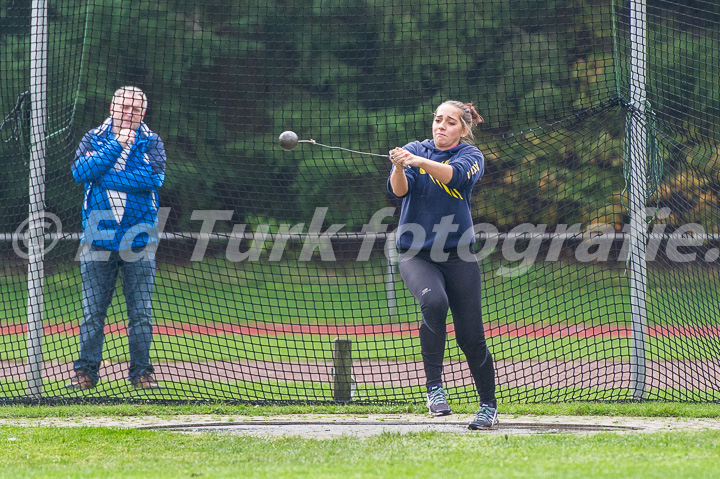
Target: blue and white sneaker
x=485, y=418
x=437, y=402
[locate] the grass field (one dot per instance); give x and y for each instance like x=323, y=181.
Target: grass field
x=568, y=314
x=112, y=452
x=356, y=293
x=224, y=347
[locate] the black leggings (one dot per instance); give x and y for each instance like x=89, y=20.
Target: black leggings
x=454, y=283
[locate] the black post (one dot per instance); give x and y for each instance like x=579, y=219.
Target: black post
x=342, y=364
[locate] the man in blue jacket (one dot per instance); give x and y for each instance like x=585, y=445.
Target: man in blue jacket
x=122, y=165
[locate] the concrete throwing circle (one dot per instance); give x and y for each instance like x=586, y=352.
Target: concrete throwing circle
x=331, y=429
x=328, y=426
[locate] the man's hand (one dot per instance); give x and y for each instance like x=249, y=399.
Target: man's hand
x=126, y=137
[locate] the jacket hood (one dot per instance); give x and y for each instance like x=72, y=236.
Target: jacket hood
x=430, y=145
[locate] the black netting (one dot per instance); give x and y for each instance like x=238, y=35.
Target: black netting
x=276, y=278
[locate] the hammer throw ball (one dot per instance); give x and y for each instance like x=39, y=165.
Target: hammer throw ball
x=288, y=140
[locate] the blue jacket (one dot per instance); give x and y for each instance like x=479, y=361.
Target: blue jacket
x=121, y=187
x=428, y=200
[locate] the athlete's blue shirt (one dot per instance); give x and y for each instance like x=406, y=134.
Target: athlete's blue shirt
x=428, y=200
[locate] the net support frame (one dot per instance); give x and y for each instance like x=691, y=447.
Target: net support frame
x=36, y=183
x=638, y=190
x=391, y=254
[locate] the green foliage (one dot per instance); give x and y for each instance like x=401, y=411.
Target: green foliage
x=225, y=78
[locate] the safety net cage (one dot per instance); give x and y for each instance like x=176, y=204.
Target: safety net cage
x=276, y=270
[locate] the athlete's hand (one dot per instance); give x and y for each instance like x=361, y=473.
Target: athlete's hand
x=394, y=158
x=404, y=158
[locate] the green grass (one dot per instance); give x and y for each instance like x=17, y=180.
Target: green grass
x=216, y=290
x=85, y=452
x=271, y=391
x=109, y=453
x=569, y=408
